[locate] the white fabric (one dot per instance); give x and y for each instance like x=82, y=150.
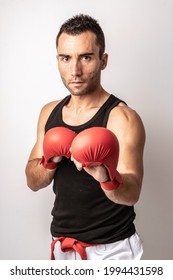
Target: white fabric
x=128, y=249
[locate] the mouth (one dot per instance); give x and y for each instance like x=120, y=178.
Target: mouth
x=76, y=82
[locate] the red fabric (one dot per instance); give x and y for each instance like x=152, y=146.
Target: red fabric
x=114, y=184
x=48, y=165
x=57, y=142
x=95, y=146
x=69, y=244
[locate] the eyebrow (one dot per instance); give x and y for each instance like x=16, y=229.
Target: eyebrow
x=82, y=54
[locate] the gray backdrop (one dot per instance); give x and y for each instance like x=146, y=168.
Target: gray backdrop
x=139, y=36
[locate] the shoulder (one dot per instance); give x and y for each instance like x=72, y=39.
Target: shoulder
x=45, y=113
x=124, y=114
x=48, y=108
x=124, y=121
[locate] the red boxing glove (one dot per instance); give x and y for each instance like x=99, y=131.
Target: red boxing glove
x=96, y=146
x=57, y=142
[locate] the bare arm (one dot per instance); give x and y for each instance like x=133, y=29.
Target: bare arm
x=129, y=129
x=37, y=176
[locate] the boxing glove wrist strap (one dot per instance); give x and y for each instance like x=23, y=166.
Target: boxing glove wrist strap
x=112, y=184
x=48, y=165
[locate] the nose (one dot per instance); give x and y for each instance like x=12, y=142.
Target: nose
x=76, y=68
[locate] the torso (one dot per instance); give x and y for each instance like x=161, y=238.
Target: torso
x=78, y=117
x=75, y=199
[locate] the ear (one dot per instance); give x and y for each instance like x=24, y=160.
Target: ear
x=104, y=61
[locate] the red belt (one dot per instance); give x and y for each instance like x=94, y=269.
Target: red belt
x=69, y=244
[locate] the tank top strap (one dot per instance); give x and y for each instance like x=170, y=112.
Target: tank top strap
x=114, y=102
x=64, y=101
x=55, y=116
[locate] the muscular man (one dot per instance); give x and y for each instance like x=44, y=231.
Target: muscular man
x=89, y=221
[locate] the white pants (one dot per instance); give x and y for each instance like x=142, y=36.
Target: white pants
x=128, y=249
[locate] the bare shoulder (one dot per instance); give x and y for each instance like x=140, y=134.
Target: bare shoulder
x=44, y=115
x=125, y=121
x=46, y=110
x=123, y=114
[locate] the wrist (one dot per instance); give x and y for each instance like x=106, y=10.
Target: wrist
x=48, y=164
x=112, y=184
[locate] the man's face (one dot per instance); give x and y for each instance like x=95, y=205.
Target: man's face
x=79, y=62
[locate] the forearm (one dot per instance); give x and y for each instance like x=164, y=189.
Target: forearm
x=37, y=176
x=127, y=193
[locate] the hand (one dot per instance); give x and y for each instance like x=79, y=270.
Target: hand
x=98, y=172
x=56, y=144
x=56, y=159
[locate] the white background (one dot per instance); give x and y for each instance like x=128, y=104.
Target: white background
x=139, y=36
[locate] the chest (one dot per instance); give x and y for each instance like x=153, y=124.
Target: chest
x=78, y=117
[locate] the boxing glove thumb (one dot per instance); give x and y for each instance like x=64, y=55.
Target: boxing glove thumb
x=96, y=146
x=57, y=142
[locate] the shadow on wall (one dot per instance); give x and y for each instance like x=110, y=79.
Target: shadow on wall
x=153, y=220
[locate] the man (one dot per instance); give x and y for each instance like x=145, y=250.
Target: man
x=89, y=220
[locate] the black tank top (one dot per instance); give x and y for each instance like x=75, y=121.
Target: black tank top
x=81, y=209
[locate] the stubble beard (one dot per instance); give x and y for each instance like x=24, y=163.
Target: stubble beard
x=85, y=91
x=90, y=87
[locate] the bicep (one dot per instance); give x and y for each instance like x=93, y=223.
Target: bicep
x=37, y=150
x=130, y=132
x=131, y=160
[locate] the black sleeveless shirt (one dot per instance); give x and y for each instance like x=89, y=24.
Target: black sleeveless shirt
x=81, y=209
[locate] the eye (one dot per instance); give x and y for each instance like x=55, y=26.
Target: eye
x=86, y=58
x=64, y=58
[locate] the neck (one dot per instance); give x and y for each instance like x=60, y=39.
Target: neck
x=88, y=101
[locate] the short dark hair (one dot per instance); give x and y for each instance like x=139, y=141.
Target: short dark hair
x=82, y=23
